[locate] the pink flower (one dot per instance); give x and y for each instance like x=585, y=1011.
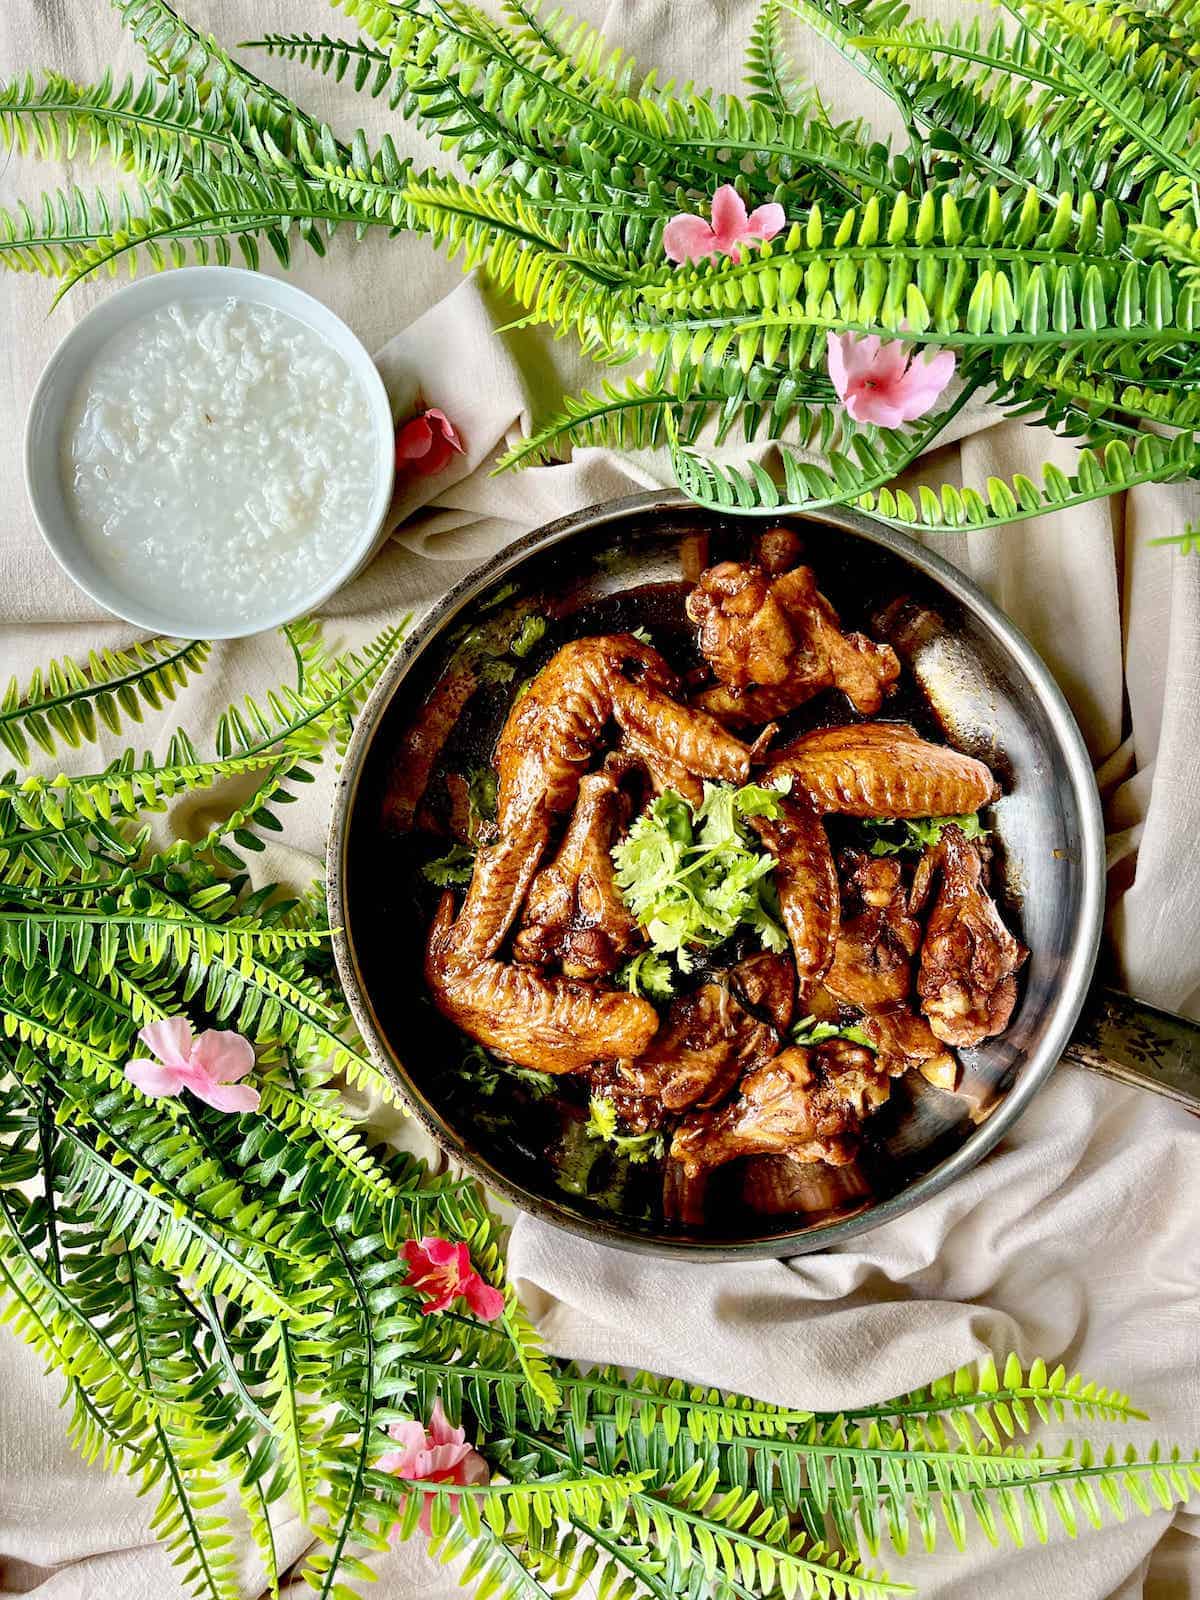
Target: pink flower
x=881, y=383
x=688, y=238
x=426, y=442
x=210, y=1067
x=443, y=1271
x=439, y=1455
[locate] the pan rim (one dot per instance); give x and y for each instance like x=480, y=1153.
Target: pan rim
x=1078, y=965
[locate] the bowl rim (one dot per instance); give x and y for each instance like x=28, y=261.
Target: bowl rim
x=1079, y=962
x=195, y=284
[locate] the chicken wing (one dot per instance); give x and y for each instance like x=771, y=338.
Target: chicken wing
x=789, y=1104
x=872, y=970
x=532, y=1019
x=883, y=769
x=806, y=879
x=969, y=960
x=710, y=1037
x=419, y=749
x=679, y=734
x=776, y=642
x=575, y=912
x=501, y=878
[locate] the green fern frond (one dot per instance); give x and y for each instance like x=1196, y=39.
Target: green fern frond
x=769, y=70
x=856, y=473
x=150, y=128
x=69, y=703
x=173, y=46
x=372, y=69
x=946, y=509
x=1000, y=1403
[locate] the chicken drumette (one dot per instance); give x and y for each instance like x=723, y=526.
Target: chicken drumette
x=872, y=969
x=774, y=642
x=969, y=960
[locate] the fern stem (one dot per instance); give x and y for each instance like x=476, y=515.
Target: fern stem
x=177, y=1486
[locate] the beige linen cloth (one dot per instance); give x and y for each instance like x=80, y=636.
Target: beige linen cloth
x=1077, y=1239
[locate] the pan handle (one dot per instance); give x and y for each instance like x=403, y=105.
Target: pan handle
x=1138, y=1044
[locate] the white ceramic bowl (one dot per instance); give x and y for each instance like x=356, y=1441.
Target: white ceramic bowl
x=192, y=618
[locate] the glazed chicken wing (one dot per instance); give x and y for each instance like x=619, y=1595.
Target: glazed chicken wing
x=680, y=735
x=873, y=970
x=712, y=1036
x=535, y=1020
x=969, y=960
x=806, y=878
x=419, y=749
x=775, y=642
x=883, y=769
x=575, y=912
x=790, y=1104
x=554, y=730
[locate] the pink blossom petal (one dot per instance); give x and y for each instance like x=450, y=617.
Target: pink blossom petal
x=487, y=1303
x=441, y=1252
x=474, y=1468
x=448, y=431
x=153, y=1079
x=441, y=1430
x=443, y=1458
x=414, y=440
x=728, y=217
x=222, y=1055
x=409, y=1434
x=393, y=1461
x=924, y=382
x=890, y=361
x=764, y=222
x=170, y=1040
x=874, y=405
x=687, y=238
x=850, y=359
x=224, y=1096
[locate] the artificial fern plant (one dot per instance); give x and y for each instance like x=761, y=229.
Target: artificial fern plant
x=1040, y=217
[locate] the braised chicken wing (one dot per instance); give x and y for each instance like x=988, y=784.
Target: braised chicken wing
x=419, y=749
x=807, y=882
x=575, y=912
x=873, y=969
x=555, y=729
x=969, y=960
x=775, y=642
x=678, y=734
x=712, y=1036
x=883, y=769
x=789, y=1103
x=531, y=1018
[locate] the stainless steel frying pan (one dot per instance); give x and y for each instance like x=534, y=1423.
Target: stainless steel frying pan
x=627, y=563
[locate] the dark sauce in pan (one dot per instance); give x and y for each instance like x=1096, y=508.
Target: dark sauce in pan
x=522, y=1126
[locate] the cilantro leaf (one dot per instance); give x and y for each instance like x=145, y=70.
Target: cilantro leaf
x=602, y=1124
x=647, y=974
x=692, y=877
x=452, y=869
x=918, y=832
x=529, y=636
x=809, y=1031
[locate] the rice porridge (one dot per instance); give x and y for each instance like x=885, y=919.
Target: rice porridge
x=220, y=448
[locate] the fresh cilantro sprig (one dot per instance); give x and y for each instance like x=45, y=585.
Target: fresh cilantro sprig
x=602, y=1123
x=693, y=877
x=647, y=974
x=913, y=834
x=453, y=870
x=809, y=1031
